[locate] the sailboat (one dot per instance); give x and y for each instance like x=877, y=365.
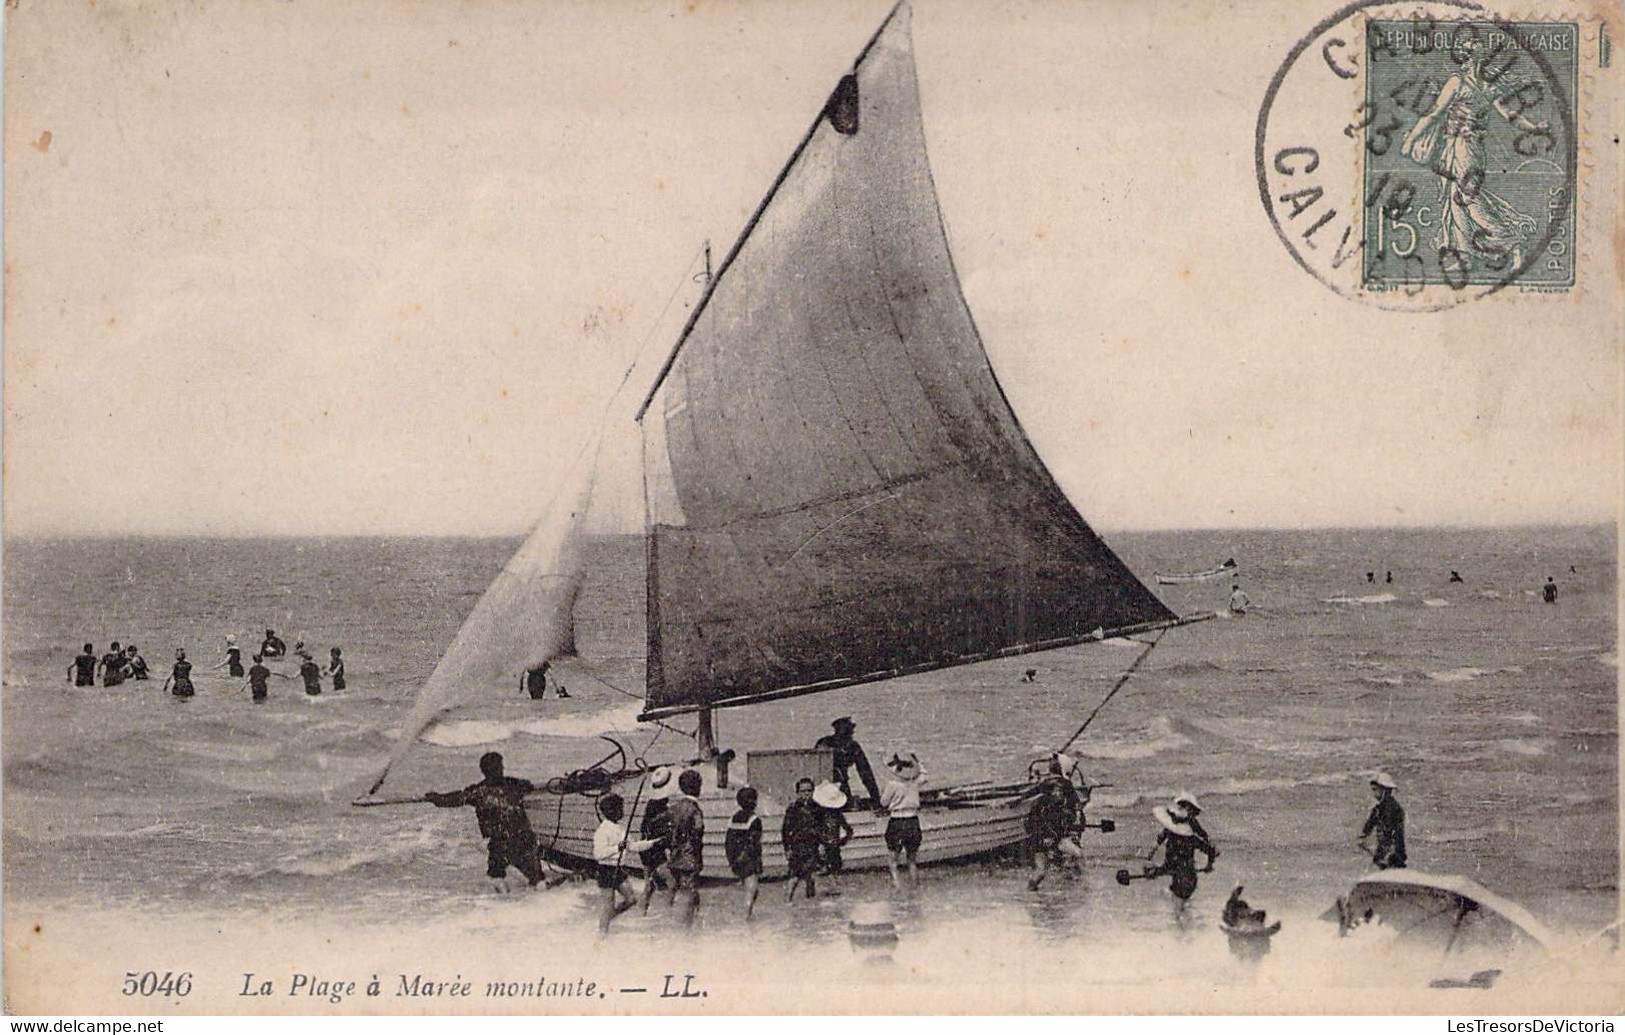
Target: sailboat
x=836, y=493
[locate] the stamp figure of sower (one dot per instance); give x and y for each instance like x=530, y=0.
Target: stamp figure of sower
x=1450, y=139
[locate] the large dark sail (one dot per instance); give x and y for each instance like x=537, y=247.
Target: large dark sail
x=839, y=491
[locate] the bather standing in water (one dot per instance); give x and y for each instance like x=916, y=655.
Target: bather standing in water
x=1180, y=838
x=233, y=664
x=1387, y=821
x=83, y=669
x=180, y=676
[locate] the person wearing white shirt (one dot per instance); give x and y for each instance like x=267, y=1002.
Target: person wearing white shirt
x=900, y=801
x=609, y=849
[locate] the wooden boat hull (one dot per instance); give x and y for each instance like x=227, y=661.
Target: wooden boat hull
x=957, y=824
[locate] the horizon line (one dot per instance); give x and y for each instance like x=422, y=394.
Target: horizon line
x=9, y=536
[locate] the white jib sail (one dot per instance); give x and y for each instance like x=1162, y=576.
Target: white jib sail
x=523, y=620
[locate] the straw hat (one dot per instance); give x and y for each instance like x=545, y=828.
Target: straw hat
x=1384, y=780
x=829, y=795
x=1174, y=826
x=905, y=763
x=231, y=639
x=660, y=783
x=1186, y=802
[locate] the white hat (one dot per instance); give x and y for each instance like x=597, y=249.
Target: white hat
x=1174, y=826
x=660, y=783
x=1184, y=800
x=829, y=795
x=1384, y=780
x=231, y=639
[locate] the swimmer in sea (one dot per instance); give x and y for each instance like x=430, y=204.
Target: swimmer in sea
x=335, y=668
x=272, y=647
x=112, y=666
x=234, y=659
x=259, y=679
x=135, y=663
x=311, y=673
x=180, y=676
x=83, y=669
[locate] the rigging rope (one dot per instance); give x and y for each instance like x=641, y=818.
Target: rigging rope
x=1121, y=681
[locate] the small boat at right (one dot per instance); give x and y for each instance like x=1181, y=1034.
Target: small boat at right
x=1443, y=911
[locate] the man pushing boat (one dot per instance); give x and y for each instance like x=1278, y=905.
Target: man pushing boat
x=499, y=805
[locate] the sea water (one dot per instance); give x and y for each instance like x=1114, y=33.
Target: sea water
x=1495, y=711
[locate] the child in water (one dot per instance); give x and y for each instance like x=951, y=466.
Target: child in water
x=744, y=846
x=335, y=668
x=900, y=801
x=135, y=663
x=180, y=676
x=802, y=834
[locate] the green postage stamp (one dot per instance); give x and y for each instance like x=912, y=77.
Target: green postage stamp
x=1469, y=131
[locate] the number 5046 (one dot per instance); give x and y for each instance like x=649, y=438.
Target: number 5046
x=148, y=983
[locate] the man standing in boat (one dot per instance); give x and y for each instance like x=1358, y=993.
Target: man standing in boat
x=499, y=805
x=1387, y=821
x=849, y=753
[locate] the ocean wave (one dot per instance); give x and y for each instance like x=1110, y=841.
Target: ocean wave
x=1379, y=598
x=1191, y=668
x=324, y=862
x=1434, y=602
x=1383, y=680
x=1160, y=736
x=471, y=732
x=1468, y=673
x=1528, y=748
x=1456, y=836
x=1230, y=787
x=1524, y=718
x=224, y=752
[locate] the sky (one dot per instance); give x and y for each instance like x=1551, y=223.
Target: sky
x=378, y=268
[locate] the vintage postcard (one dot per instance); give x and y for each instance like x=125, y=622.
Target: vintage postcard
x=706, y=507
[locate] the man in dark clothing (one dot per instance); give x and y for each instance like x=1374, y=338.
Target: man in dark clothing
x=685, y=844
x=1548, y=592
x=180, y=677
x=272, y=647
x=311, y=673
x=534, y=683
x=499, y=805
x=259, y=680
x=849, y=753
x=83, y=669
x=802, y=834
x=113, y=670
x=1050, y=826
x=1387, y=821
